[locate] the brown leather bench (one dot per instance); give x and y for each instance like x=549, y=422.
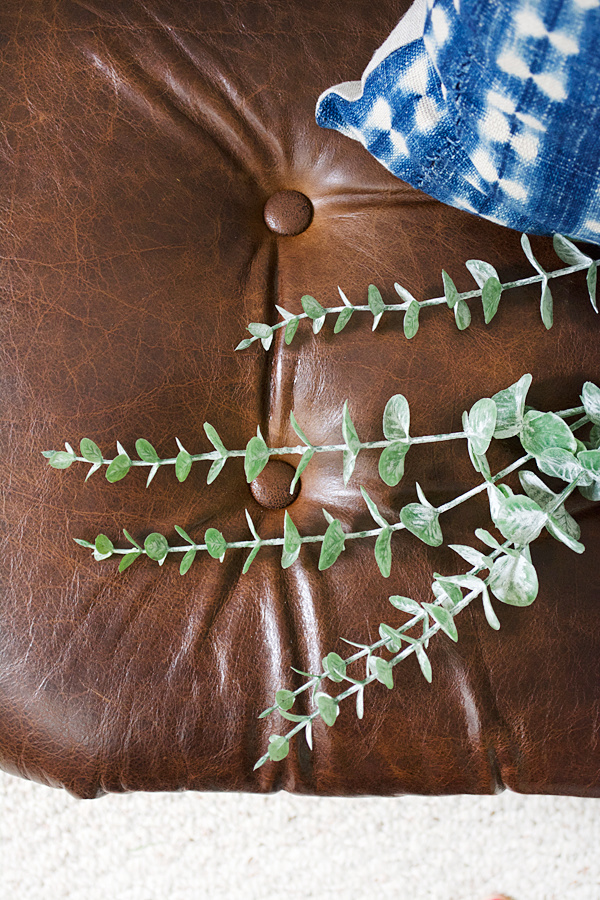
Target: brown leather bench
x=140, y=145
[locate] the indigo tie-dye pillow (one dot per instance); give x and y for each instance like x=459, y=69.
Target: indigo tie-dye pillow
x=492, y=106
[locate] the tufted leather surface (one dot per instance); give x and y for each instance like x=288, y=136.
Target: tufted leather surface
x=141, y=140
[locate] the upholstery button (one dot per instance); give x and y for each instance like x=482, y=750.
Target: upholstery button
x=272, y=487
x=288, y=212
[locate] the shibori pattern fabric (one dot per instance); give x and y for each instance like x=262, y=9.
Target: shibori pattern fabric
x=492, y=106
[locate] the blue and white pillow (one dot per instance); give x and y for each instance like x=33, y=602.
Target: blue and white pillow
x=492, y=106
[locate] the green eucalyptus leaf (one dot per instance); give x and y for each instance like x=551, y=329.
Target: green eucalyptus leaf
x=382, y=671
x=481, y=421
x=343, y=319
x=481, y=271
x=118, y=468
x=251, y=557
x=553, y=528
x=492, y=618
x=215, y=469
x=422, y=521
x=403, y=293
x=392, y=638
x=318, y=324
x=290, y=330
x=284, y=699
x=542, y=431
x=349, y=431
x=424, y=663
x=260, y=330
x=333, y=544
x=292, y=542
x=279, y=747
x=146, y=451
x=396, y=418
x=490, y=298
x=450, y=292
x=590, y=397
x=304, y=461
x=594, y=441
x=103, y=545
x=559, y=463
x=568, y=252
x=127, y=560
x=513, y=580
x=312, y=307
x=391, y=462
x=257, y=456
x=405, y=604
x=535, y=488
x=183, y=534
x=156, y=546
x=510, y=407
x=243, y=345
x=188, y=558
x=383, y=552
x=345, y=300
x=328, y=708
x=590, y=461
x=83, y=543
x=444, y=619
x=526, y=245
x=215, y=543
x=411, y=319
x=183, y=464
x=61, y=460
x=334, y=667
x=471, y=555
x=486, y=538
x=372, y=507
x=298, y=430
x=446, y=591
x=215, y=440
x=520, y=519
x=375, y=301
x=592, y=280
x=90, y=451
x=592, y=492
x=131, y=540
x=546, y=305
x=352, y=443
x=462, y=315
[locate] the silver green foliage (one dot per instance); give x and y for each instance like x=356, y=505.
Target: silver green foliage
x=490, y=291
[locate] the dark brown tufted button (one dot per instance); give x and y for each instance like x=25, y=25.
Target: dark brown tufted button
x=272, y=487
x=288, y=212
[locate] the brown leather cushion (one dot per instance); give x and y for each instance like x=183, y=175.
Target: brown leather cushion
x=140, y=143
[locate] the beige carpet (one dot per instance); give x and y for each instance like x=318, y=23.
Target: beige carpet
x=242, y=847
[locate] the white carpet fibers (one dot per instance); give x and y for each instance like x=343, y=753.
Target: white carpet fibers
x=242, y=847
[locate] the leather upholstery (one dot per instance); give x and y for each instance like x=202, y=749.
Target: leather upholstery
x=140, y=143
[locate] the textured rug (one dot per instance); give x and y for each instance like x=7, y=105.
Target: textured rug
x=242, y=847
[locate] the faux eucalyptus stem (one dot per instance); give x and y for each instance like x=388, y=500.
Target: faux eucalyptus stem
x=512, y=579
x=490, y=291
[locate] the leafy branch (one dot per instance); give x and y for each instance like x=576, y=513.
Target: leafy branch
x=505, y=416
x=490, y=291
x=512, y=578
x=498, y=416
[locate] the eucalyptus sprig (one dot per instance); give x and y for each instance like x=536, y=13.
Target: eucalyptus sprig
x=498, y=416
x=490, y=291
x=543, y=436
x=478, y=424
x=512, y=577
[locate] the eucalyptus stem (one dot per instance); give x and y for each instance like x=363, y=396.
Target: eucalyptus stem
x=490, y=291
x=518, y=587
